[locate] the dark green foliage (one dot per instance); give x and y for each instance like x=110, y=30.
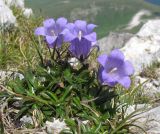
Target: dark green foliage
x=56, y=89
x=52, y=88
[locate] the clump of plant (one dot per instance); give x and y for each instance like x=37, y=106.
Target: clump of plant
x=64, y=85
x=150, y=71
x=16, y=41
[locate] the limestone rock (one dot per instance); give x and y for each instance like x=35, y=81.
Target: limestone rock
x=16, y=3
x=27, y=12
x=113, y=40
x=144, y=48
x=150, y=87
x=149, y=121
x=7, y=17
x=26, y=120
x=9, y=75
x=56, y=126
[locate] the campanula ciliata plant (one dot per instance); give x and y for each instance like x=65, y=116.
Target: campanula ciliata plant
x=74, y=92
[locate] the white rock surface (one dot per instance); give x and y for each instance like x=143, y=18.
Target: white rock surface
x=16, y=3
x=137, y=19
x=150, y=86
x=27, y=12
x=6, y=15
x=9, y=75
x=112, y=41
x=56, y=126
x=144, y=48
x=149, y=121
x=26, y=120
x=73, y=62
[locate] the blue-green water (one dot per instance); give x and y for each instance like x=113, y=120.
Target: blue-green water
x=109, y=15
x=157, y=2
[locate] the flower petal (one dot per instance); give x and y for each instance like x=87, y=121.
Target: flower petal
x=59, y=41
x=102, y=59
x=49, y=23
x=125, y=82
x=117, y=54
x=40, y=31
x=91, y=37
x=70, y=26
x=51, y=39
x=81, y=25
x=61, y=21
x=86, y=47
x=90, y=27
x=127, y=68
x=80, y=48
x=115, y=60
x=68, y=36
x=105, y=78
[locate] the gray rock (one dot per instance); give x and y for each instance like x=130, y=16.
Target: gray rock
x=144, y=48
x=113, y=40
x=56, y=126
x=132, y=108
x=9, y=75
x=26, y=120
x=7, y=17
x=149, y=121
x=156, y=83
x=150, y=87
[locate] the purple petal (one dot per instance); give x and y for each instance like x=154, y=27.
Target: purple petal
x=95, y=44
x=125, y=82
x=68, y=36
x=85, y=47
x=91, y=37
x=80, y=47
x=51, y=39
x=61, y=23
x=81, y=25
x=40, y=31
x=127, y=68
x=59, y=41
x=115, y=60
x=117, y=54
x=101, y=69
x=49, y=23
x=90, y=27
x=70, y=26
x=105, y=78
x=73, y=48
x=102, y=59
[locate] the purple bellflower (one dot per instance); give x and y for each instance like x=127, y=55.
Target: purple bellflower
x=114, y=69
x=81, y=36
x=52, y=31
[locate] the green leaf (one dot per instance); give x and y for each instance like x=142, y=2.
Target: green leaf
x=68, y=76
x=66, y=93
x=22, y=112
x=17, y=86
x=1, y=127
x=70, y=122
x=52, y=96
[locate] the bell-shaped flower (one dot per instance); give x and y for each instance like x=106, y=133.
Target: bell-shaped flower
x=81, y=36
x=52, y=31
x=115, y=69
